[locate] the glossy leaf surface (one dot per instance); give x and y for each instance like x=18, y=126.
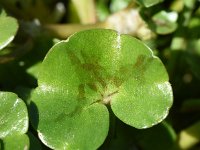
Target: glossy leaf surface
x=8, y=29
x=13, y=122
x=63, y=122
x=13, y=115
x=92, y=69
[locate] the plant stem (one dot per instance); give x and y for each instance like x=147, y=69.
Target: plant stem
x=86, y=11
x=65, y=30
x=119, y=21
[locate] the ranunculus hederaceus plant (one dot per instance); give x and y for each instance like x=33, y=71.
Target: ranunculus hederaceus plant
x=83, y=77
x=13, y=122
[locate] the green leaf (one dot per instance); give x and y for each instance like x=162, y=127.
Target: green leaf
x=2, y=12
x=8, y=29
x=34, y=69
x=149, y=3
x=117, y=5
x=16, y=142
x=24, y=93
x=94, y=68
x=13, y=122
x=13, y=115
x=63, y=124
x=102, y=9
x=190, y=136
x=146, y=95
x=165, y=22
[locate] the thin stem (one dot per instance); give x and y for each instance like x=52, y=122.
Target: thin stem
x=119, y=21
x=86, y=10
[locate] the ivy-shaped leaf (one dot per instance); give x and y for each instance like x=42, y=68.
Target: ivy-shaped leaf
x=13, y=122
x=91, y=70
x=149, y=3
x=8, y=30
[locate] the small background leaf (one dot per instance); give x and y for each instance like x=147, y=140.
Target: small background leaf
x=117, y=5
x=165, y=22
x=149, y=3
x=8, y=29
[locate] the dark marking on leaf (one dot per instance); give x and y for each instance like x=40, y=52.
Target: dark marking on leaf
x=92, y=86
x=74, y=59
x=81, y=91
x=76, y=111
x=117, y=81
x=92, y=74
x=136, y=70
x=140, y=61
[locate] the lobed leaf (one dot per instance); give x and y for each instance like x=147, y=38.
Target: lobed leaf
x=13, y=115
x=92, y=69
x=13, y=122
